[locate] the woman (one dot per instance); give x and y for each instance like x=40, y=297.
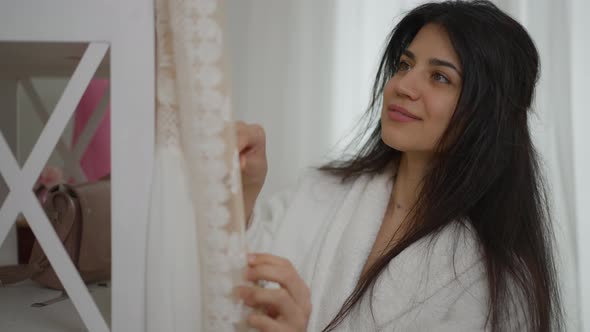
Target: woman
x=439, y=221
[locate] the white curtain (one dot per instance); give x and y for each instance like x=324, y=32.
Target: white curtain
x=303, y=70
x=550, y=25
x=579, y=68
x=196, y=247
x=276, y=48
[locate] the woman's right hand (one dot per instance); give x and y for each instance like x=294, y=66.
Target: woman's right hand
x=287, y=308
x=251, y=142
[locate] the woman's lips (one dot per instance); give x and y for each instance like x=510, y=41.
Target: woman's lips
x=400, y=114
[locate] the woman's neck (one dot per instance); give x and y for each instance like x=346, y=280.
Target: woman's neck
x=408, y=179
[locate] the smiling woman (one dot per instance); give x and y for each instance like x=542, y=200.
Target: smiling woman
x=438, y=220
x=419, y=101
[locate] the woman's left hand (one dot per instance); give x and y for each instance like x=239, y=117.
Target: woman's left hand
x=286, y=309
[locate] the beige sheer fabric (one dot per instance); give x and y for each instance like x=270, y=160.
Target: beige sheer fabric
x=196, y=244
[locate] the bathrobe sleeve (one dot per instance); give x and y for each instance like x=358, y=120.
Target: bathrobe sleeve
x=266, y=218
x=271, y=216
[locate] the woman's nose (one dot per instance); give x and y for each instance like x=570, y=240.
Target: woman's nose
x=407, y=85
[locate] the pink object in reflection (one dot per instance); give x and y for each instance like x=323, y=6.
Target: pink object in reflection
x=49, y=177
x=96, y=160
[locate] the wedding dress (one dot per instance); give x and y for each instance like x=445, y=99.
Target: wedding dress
x=196, y=245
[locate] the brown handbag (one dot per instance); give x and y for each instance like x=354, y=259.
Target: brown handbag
x=81, y=216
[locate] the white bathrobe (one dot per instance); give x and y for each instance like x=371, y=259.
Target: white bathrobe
x=327, y=229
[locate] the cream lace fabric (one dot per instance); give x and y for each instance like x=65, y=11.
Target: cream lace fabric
x=196, y=243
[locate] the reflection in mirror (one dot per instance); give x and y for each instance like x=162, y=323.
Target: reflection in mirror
x=72, y=186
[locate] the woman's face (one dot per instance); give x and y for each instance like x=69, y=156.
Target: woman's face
x=419, y=100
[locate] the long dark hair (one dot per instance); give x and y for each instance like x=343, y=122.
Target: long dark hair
x=485, y=172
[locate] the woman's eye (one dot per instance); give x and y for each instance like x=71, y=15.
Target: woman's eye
x=403, y=66
x=440, y=78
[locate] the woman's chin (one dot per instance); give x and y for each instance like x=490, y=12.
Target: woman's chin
x=395, y=143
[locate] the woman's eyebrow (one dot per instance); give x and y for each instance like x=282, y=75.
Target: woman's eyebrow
x=439, y=62
x=433, y=61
